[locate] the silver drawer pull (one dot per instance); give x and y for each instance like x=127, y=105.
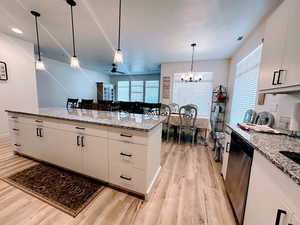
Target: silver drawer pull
x=80, y=128
x=125, y=178
x=39, y=121
x=124, y=154
x=17, y=145
x=14, y=129
x=126, y=135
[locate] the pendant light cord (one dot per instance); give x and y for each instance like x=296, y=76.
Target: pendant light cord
x=74, y=49
x=37, y=38
x=192, y=66
x=120, y=14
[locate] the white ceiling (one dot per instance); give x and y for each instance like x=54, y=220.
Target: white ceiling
x=153, y=31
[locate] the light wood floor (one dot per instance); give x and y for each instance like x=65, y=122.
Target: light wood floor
x=188, y=191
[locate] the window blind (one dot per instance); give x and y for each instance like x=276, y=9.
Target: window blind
x=245, y=85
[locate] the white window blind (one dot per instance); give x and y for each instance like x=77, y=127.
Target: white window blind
x=199, y=93
x=123, y=91
x=245, y=86
x=152, y=91
x=137, y=91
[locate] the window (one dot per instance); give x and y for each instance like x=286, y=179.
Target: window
x=137, y=91
x=245, y=86
x=199, y=93
x=123, y=90
x=152, y=91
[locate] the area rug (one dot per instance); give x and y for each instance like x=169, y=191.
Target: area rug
x=65, y=190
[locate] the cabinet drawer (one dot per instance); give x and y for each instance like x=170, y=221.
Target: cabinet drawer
x=126, y=135
x=128, y=177
x=127, y=153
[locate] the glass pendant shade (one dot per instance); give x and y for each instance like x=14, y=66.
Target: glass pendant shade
x=118, y=59
x=39, y=65
x=74, y=62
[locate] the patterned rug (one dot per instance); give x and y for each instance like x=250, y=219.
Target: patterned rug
x=65, y=190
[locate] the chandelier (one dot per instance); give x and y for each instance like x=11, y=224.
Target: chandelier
x=192, y=76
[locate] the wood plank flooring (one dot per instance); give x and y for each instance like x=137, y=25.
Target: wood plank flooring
x=188, y=191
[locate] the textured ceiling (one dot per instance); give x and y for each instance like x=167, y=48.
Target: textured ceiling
x=153, y=31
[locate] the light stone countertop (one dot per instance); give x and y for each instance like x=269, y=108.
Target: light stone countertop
x=114, y=119
x=270, y=145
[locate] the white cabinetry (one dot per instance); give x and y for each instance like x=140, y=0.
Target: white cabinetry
x=281, y=52
x=126, y=158
x=226, y=152
x=271, y=195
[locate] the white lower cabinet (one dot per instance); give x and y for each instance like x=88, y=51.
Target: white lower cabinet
x=272, y=195
x=226, y=153
x=125, y=158
x=95, y=157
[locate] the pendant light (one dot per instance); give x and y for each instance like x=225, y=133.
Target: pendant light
x=39, y=63
x=118, y=59
x=192, y=76
x=74, y=60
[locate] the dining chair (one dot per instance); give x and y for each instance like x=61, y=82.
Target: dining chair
x=250, y=116
x=165, y=110
x=72, y=103
x=187, y=116
x=86, y=104
x=174, y=107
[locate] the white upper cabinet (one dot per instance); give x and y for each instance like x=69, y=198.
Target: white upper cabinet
x=291, y=60
x=281, y=52
x=273, y=49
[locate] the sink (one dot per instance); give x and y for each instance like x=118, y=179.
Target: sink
x=292, y=155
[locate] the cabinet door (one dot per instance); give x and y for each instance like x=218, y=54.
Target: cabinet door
x=273, y=49
x=63, y=150
x=264, y=198
x=226, y=155
x=95, y=157
x=29, y=140
x=291, y=63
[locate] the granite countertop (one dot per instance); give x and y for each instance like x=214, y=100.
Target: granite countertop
x=270, y=145
x=114, y=119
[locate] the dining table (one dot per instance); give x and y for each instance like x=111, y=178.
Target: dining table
x=202, y=123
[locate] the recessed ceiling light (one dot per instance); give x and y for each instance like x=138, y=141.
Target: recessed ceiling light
x=240, y=38
x=16, y=30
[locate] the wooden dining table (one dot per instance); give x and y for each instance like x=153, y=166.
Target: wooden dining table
x=202, y=123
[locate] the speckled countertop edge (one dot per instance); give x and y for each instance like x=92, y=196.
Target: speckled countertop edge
x=269, y=146
x=87, y=121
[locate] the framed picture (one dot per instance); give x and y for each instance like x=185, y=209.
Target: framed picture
x=3, y=71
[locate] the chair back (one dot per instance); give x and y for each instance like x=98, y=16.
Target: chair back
x=264, y=118
x=188, y=116
x=72, y=103
x=86, y=104
x=165, y=110
x=214, y=121
x=250, y=116
x=174, y=107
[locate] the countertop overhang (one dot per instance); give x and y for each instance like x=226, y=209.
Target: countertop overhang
x=270, y=145
x=141, y=122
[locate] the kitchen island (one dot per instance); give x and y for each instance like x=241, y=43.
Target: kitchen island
x=118, y=148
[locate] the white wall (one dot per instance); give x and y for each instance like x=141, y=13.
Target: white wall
x=220, y=69
x=19, y=92
x=60, y=82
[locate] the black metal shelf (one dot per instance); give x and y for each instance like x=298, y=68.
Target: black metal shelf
x=221, y=120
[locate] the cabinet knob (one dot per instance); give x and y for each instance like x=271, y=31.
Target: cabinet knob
x=124, y=154
x=125, y=135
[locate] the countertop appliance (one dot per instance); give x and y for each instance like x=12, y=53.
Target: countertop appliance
x=238, y=174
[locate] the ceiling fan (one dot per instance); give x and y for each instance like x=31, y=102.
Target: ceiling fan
x=115, y=69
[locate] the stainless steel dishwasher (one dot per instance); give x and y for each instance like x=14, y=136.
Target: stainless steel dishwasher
x=238, y=174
